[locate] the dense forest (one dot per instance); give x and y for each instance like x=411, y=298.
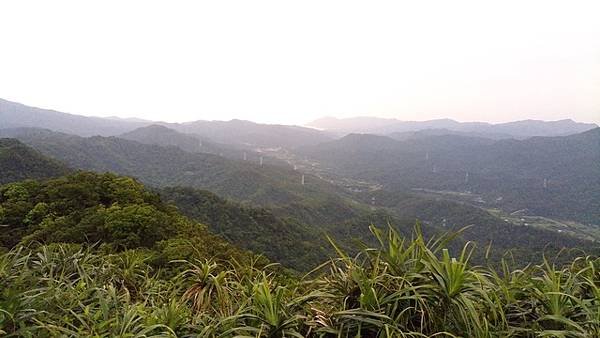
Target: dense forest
x=19, y=162
x=117, y=213
x=282, y=240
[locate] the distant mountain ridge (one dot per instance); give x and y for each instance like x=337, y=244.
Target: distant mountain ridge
x=163, y=136
x=235, y=132
x=240, y=132
x=252, y=135
x=17, y=115
x=516, y=129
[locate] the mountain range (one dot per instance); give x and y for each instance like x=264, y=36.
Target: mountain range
x=516, y=129
x=249, y=135
x=240, y=133
x=273, y=197
x=264, y=187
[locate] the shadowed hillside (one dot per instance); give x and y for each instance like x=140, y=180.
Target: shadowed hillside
x=19, y=162
x=553, y=176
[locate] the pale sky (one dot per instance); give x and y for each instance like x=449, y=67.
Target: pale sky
x=294, y=61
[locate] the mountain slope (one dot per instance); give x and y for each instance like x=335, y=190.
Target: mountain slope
x=282, y=240
x=115, y=212
x=252, y=134
x=16, y=115
x=158, y=166
x=19, y=162
x=407, y=135
x=507, y=173
x=163, y=136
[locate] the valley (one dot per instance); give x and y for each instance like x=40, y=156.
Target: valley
x=518, y=218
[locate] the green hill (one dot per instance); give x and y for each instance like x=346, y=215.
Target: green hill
x=19, y=162
x=243, y=181
x=283, y=240
x=240, y=132
x=116, y=212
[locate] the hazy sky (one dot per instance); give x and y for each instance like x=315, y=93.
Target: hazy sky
x=293, y=61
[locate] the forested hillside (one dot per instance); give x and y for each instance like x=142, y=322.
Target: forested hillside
x=19, y=162
x=115, y=212
x=109, y=257
x=552, y=176
x=307, y=211
x=284, y=240
x=170, y=166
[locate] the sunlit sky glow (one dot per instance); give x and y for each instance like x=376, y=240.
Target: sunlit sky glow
x=294, y=61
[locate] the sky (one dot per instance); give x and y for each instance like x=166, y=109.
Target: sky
x=295, y=61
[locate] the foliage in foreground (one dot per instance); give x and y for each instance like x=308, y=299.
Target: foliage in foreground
x=404, y=288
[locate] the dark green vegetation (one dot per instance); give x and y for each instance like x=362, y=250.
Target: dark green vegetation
x=312, y=208
x=282, y=240
x=18, y=162
x=114, y=211
x=285, y=240
x=524, y=243
x=508, y=173
x=400, y=288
